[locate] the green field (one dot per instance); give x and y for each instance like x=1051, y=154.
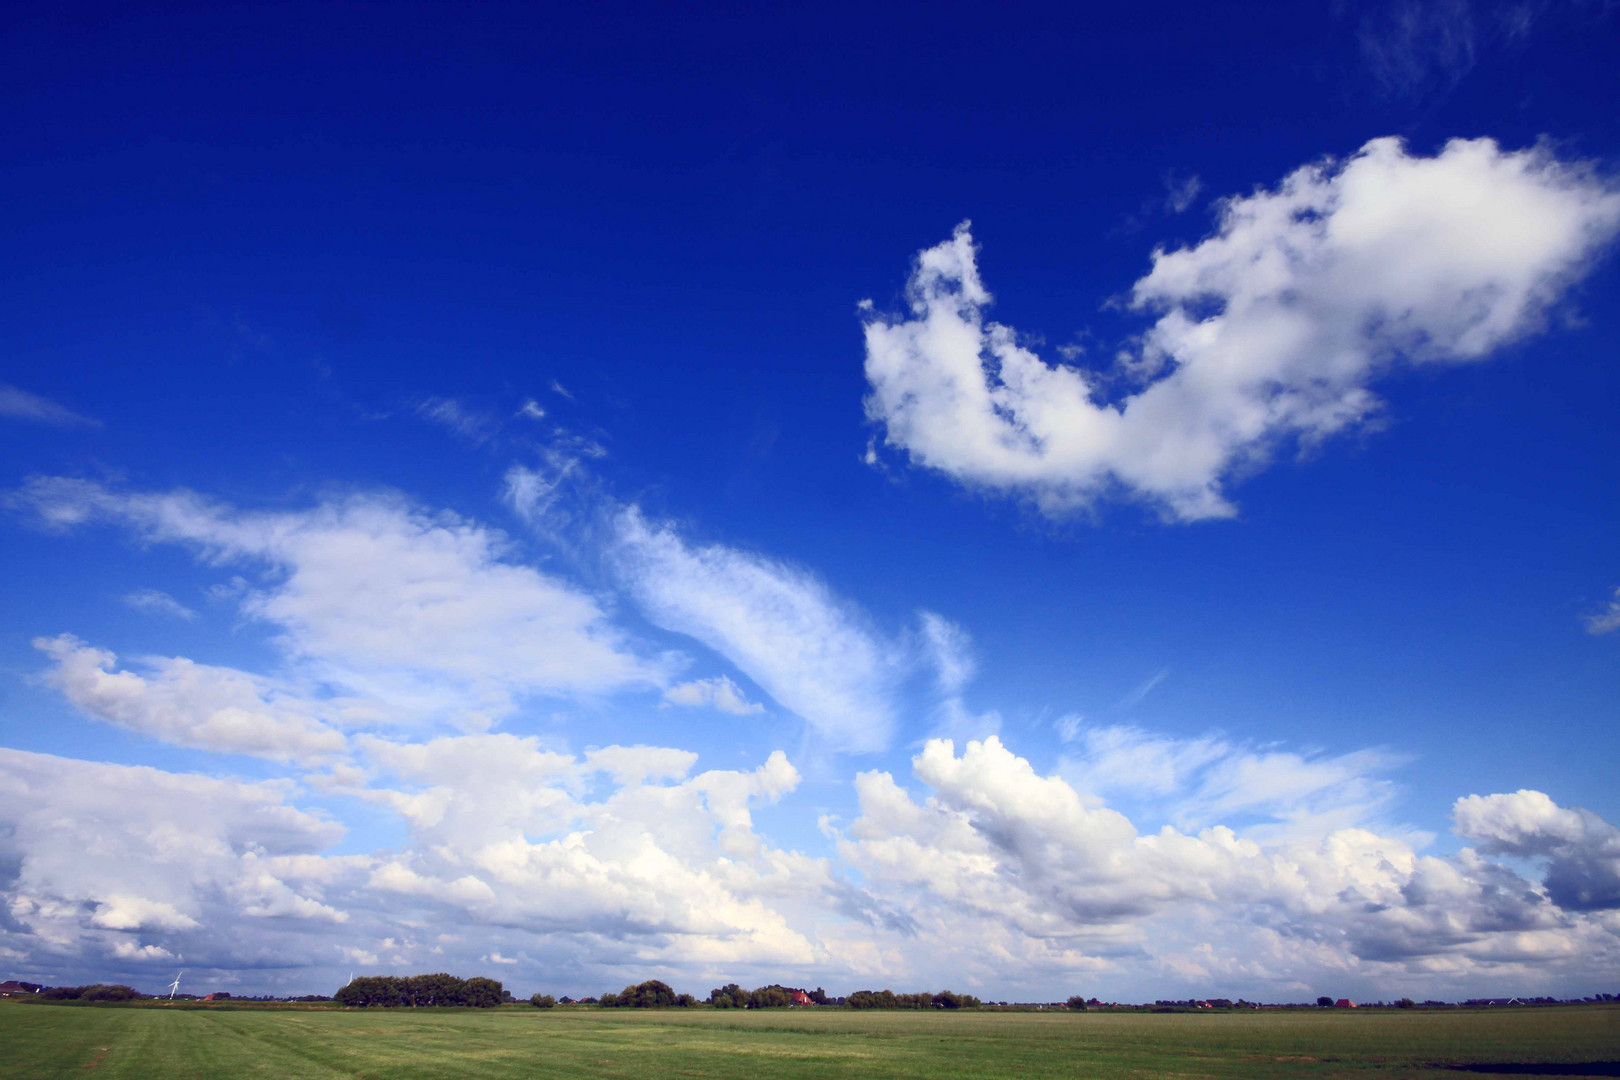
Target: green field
x=39, y=1040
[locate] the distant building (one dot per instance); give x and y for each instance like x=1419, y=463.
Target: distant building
x=1344, y=1003
x=11, y=987
x=799, y=997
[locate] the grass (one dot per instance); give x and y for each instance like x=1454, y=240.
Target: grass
x=40, y=1041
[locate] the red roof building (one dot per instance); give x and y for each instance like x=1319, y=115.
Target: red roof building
x=801, y=998
x=1344, y=1003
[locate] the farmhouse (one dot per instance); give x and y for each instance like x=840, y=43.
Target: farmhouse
x=1344, y=1003
x=799, y=997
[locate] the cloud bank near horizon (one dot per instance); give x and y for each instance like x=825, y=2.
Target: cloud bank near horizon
x=1260, y=871
x=590, y=868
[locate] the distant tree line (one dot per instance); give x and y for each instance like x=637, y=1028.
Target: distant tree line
x=651, y=994
x=774, y=996
x=420, y=991
x=888, y=999
x=94, y=992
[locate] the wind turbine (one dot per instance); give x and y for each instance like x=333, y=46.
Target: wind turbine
x=174, y=987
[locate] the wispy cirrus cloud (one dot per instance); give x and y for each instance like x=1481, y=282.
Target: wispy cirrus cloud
x=158, y=602
x=1606, y=621
x=477, y=426
x=1195, y=782
x=812, y=651
x=19, y=404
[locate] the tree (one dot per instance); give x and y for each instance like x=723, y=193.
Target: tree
x=543, y=1001
x=372, y=991
x=1078, y=1001
x=420, y=991
x=947, y=1000
x=483, y=993
x=1325, y=1002
x=440, y=988
x=772, y=997
x=730, y=996
x=652, y=994
x=609, y=1000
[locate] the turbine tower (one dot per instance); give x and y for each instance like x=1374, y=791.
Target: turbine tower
x=174, y=987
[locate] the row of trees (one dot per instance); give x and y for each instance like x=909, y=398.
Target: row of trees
x=774, y=996
x=888, y=999
x=652, y=994
x=94, y=992
x=420, y=991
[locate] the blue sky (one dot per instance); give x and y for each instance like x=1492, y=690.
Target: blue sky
x=528, y=492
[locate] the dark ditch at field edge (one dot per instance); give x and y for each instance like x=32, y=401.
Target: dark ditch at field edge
x=1525, y=1068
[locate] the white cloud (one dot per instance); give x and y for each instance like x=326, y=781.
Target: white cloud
x=502, y=832
x=121, y=912
x=189, y=704
x=1414, y=47
x=999, y=861
x=537, y=494
x=21, y=405
x=475, y=425
x=1606, y=621
x=124, y=949
x=811, y=651
x=90, y=852
x=1119, y=759
x=716, y=693
x=531, y=409
x=638, y=764
x=951, y=650
x=1180, y=192
x=422, y=612
x=1271, y=330
x=585, y=867
x=1207, y=779
x=1136, y=696
x=157, y=602
x=1582, y=850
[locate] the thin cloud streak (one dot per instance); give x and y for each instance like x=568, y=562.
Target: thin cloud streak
x=19, y=404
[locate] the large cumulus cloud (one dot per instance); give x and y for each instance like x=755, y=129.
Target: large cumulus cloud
x=1017, y=862
x=1272, y=329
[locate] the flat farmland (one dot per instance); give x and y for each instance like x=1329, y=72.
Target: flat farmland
x=38, y=1041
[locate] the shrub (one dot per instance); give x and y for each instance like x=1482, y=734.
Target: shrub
x=543, y=1001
